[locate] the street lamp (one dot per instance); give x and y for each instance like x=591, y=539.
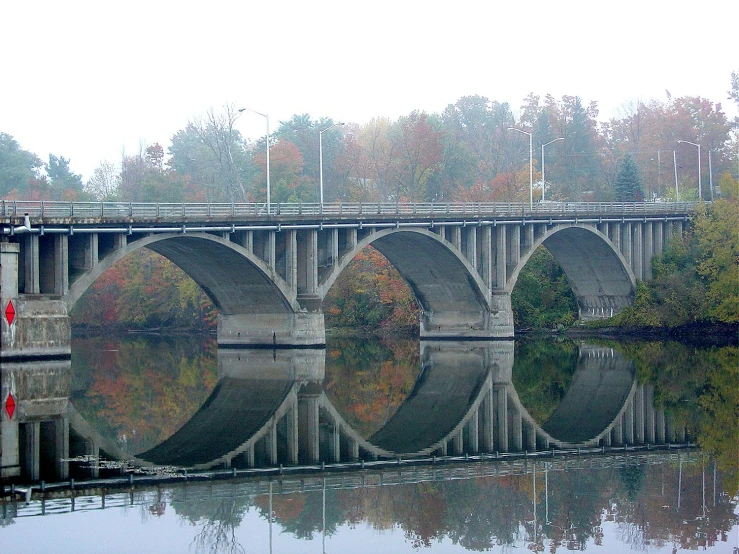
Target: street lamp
x=320, y=156
x=267, y=118
x=531, y=165
x=543, y=182
x=700, y=192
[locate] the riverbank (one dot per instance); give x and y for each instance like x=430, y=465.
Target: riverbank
x=699, y=333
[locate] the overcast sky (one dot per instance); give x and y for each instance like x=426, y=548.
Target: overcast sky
x=88, y=79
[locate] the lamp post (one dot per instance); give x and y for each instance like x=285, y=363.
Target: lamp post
x=267, y=118
x=531, y=165
x=320, y=156
x=700, y=192
x=543, y=182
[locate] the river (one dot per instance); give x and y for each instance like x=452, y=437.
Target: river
x=376, y=446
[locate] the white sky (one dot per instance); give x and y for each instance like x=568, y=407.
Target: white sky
x=88, y=79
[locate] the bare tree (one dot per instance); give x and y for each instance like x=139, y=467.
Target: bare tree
x=105, y=182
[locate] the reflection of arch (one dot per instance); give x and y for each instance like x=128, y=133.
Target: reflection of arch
x=454, y=300
x=602, y=390
x=463, y=402
x=599, y=275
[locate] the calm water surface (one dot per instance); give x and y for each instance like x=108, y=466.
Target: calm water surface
x=181, y=403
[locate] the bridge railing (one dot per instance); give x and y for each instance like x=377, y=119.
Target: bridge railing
x=225, y=211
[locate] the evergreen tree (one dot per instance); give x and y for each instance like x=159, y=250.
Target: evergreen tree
x=628, y=184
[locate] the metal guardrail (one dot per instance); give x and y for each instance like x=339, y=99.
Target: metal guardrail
x=202, y=211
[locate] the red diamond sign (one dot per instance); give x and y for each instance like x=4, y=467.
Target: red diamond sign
x=10, y=312
x=10, y=405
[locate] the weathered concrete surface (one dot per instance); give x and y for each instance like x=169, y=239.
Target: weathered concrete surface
x=292, y=329
x=235, y=284
x=596, y=272
x=30, y=327
x=455, y=303
x=42, y=328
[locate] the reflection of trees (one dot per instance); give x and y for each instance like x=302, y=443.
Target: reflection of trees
x=699, y=388
x=542, y=372
x=142, y=388
x=638, y=494
x=367, y=380
x=218, y=520
x=309, y=520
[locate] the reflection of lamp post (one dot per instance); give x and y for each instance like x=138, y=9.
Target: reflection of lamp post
x=531, y=165
x=267, y=118
x=543, y=182
x=700, y=192
x=320, y=155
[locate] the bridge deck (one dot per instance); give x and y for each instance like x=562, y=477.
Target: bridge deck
x=91, y=212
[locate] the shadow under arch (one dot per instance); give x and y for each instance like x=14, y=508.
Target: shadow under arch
x=600, y=276
x=455, y=303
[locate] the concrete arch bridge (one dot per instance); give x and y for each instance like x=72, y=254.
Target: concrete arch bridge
x=268, y=270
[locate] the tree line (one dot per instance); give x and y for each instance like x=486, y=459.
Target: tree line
x=474, y=150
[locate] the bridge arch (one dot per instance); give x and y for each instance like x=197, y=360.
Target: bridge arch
x=600, y=276
x=220, y=267
x=255, y=305
x=454, y=300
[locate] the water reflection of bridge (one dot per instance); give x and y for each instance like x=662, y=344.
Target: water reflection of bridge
x=269, y=408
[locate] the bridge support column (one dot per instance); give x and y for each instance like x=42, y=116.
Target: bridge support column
x=659, y=233
x=648, y=249
x=31, y=261
x=272, y=330
x=471, y=245
x=500, y=257
x=486, y=260
x=616, y=236
x=626, y=243
x=456, y=237
x=497, y=322
x=637, y=251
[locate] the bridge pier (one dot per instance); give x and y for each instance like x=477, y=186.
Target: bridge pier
x=33, y=326
x=294, y=330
